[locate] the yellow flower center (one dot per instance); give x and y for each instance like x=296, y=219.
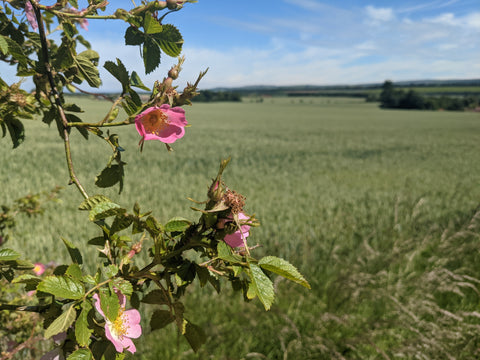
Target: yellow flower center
x=155, y=121
x=119, y=327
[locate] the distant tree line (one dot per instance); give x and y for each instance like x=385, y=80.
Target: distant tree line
x=392, y=98
x=213, y=96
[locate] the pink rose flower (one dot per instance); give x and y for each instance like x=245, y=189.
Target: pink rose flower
x=38, y=269
x=30, y=13
x=239, y=237
x=161, y=123
x=124, y=327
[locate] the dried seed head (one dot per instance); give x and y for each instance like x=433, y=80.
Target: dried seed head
x=234, y=201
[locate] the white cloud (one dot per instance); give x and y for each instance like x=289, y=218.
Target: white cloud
x=379, y=15
x=471, y=21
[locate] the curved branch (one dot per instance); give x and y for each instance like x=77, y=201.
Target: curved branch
x=58, y=101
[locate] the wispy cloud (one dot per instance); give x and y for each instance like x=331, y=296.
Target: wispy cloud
x=378, y=15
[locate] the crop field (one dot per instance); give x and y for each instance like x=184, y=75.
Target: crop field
x=375, y=207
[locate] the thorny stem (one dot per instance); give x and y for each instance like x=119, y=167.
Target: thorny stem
x=58, y=101
x=81, y=124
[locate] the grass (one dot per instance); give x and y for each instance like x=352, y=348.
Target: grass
x=373, y=206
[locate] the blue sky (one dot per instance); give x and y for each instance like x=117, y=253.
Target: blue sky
x=292, y=42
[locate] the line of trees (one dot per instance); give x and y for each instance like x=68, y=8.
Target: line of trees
x=392, y=98
x=211, y=96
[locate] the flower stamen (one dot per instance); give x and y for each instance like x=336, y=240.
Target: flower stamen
x=155, y=121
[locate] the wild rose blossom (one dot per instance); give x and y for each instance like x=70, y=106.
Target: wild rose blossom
x=30, y=13
x=237, y=238
x=38, y=269
x=124, y=327
x=161, y=123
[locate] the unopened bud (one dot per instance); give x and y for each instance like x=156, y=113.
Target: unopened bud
x=173, y=73
x=172, y=4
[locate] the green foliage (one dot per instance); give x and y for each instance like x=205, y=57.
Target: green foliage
x=61, y=323
x=84, y=307
x=63, y=287
x=283, y=268
x=392, y=98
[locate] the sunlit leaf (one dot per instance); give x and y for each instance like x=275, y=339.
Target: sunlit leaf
x=283, y=268
x=61, y=323
x=81, y=354
x=82, y=331
x=170, y=40
x=177, y=224
x=8, y=254
x=63, y=287
x=261, y=285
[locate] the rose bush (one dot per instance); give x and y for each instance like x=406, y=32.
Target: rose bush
x=69, y=298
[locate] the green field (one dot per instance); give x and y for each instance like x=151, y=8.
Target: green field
x=373, y=206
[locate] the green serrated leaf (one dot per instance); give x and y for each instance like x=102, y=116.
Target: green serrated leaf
x=119, y=71
x=82, y=331
x=63, y=58
x=74, y=118
x=120, y=223
x=203, y=274
x=283, y=268
x=61, y=323
x=111, y=270
x=90, y=55
x=49, y=116
x=88, y=204
x=8, y=255
x=27, y=279
x=160, y=319
x=251, y=292
x=72, y=108
x=133, y=36
x=63, y=287
x=261, y=285
x=104, y=210
x=177, y=224
x=225, y=253
x=151, y=25
x=16, y=51
x=73, y=252
x=81, y=354
x=16, y=130
x=153, y=226
x=151, y=55
x=170, y=40
x=75, y=272
x=124, y=286
x=194, y=335
x=156, y=297
x=137, y=82
x=69, y=29
x=109, y=304
x=110, y=176
x=88, y=71
x=3, y=45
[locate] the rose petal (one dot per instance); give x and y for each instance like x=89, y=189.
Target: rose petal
x=97, y=304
